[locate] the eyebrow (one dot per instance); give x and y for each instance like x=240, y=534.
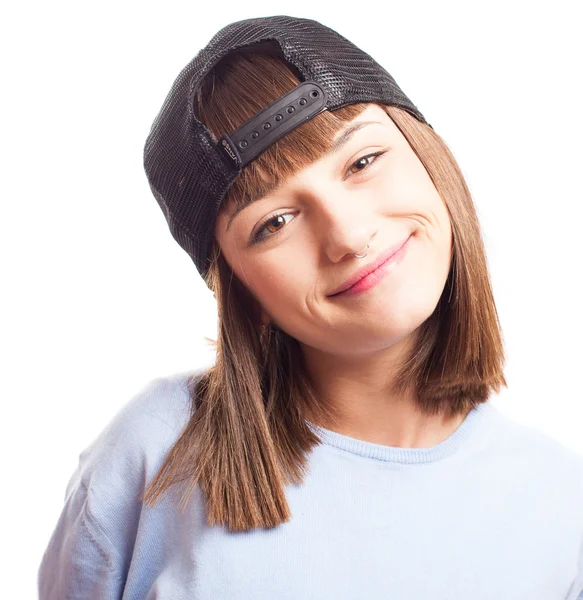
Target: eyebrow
x=342, y=139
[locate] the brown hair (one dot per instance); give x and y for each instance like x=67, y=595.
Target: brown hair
x=247, y=436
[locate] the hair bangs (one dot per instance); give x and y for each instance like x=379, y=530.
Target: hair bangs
x=236, y=89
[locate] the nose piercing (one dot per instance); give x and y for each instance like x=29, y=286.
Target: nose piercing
x=365, y=254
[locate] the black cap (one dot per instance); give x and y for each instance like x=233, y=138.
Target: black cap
x=190, y=172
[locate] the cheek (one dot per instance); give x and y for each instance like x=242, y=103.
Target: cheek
x=419, y=192
x=405, y=187
x=277, y=285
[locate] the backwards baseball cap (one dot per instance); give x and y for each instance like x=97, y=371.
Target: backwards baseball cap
x=189, y=171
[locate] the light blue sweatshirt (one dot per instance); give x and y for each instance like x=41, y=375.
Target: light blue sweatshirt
x=494, y=512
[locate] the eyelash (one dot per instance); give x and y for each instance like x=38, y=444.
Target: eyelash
x=257, y=237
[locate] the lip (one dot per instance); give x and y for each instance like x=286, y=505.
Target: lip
x=383, y=259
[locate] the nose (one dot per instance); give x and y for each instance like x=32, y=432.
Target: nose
x=345, y=224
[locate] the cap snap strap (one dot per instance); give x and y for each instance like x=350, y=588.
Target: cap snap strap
x=244, y=144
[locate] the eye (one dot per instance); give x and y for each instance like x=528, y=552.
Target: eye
x=271, y=226
x=363, y=162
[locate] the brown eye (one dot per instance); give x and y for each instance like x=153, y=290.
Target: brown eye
x=365, y=161
x=270, y=227
x=272, y=224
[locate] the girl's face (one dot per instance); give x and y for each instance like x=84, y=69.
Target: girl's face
x=296, y=246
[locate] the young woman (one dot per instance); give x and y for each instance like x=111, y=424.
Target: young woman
x=342, y=445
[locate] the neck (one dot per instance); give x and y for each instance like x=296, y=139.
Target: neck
x=354, y=389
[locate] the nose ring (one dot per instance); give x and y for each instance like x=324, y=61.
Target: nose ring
x=365, y=254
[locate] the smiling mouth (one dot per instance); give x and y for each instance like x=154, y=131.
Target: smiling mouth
x=391, y=256
x=372, y=278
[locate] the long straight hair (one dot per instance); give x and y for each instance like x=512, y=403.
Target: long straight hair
x=247, y=436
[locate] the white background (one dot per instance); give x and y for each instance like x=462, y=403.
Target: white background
x=98, y=298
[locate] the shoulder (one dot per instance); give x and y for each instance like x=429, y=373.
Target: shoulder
x=115, y=469
x=135, y=441
x=532, y=450
x=90, y=549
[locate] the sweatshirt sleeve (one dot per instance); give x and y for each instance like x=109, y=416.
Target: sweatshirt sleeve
x=90, y=551
x=80, y=562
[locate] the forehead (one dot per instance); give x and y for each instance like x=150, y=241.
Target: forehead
x=373, y=115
